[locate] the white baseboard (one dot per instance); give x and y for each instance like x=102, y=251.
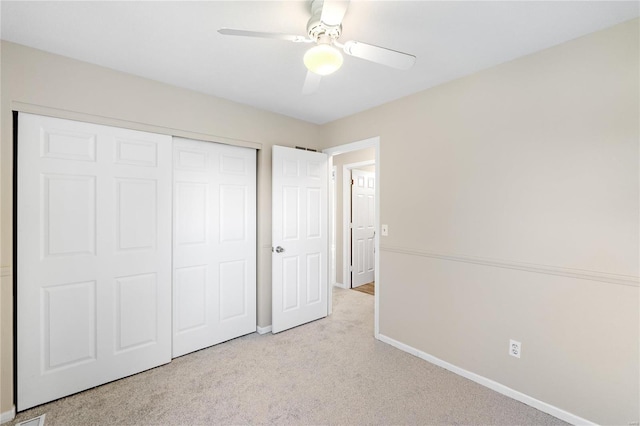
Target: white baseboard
x=264, y=330
x=7, y=416
x=340, y=285
x=500, y=388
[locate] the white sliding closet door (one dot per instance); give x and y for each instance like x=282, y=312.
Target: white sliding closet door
x=93, y=253
x=214, y=244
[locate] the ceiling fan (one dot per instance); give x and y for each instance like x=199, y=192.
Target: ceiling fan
x=324, y=29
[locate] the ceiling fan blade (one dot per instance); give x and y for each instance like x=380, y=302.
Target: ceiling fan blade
x=311, y=83
x=333, y=11
x=260, y=34
x=380, y=55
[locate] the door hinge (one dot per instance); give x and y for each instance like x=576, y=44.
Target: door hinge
x=353, y=182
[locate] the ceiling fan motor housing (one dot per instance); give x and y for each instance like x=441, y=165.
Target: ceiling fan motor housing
x=316, y=28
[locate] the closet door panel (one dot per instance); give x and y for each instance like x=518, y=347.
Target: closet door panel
x=214, y=251
x=93, y=255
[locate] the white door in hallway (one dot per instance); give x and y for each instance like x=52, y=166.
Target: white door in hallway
x=299, y=237
x=363, y=227
x=214, y=244
x=93, y=255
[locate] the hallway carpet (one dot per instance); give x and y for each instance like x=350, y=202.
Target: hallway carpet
x=331, y=371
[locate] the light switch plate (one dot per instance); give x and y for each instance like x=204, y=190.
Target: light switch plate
x=385, y=230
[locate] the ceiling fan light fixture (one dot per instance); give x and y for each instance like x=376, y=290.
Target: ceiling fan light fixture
x=323, y=59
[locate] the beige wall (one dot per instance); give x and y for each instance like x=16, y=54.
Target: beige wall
x=511, y=197
x=340, y=160
x=105, y=96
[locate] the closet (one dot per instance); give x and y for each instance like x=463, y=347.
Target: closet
x=132, y=248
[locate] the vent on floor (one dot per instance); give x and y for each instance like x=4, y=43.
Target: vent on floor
x=36, y=421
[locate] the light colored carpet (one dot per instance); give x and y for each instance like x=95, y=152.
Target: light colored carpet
x=331, y=371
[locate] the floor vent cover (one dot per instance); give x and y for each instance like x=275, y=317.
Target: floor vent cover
x=36, y=421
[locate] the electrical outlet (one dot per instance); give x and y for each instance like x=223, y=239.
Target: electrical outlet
x=515, y=348
x=385, y=230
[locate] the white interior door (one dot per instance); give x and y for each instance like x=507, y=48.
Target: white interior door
x=214, y=244
x=93, y=255
x=300, y=243
x=363, y=227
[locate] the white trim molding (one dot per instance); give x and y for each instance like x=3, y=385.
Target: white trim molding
x=340, y=285
x=7, y=416
x=264, y=330
x=6, y=271
x=354, y=146
x=126, y=124
x=488, y=383
x=605, y=277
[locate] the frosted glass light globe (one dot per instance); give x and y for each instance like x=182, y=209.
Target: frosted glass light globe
x=323, y=59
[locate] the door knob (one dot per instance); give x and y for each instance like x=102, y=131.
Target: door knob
x=279, y=249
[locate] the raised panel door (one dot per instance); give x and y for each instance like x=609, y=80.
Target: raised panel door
x=214, y=250
x=363, y=227
x=299, y=237
x=93, y=256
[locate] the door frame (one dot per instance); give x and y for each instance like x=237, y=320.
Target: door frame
x=373, y=142
x=333, y=194
x=347, y=189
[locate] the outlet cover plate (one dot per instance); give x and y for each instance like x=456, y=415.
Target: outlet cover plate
x=515, y=348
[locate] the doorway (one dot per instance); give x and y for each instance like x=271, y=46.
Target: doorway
x=337, y=239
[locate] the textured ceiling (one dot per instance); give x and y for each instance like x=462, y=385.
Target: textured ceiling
x=178, y=43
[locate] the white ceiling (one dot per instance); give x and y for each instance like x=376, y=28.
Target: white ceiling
x=178, y=43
